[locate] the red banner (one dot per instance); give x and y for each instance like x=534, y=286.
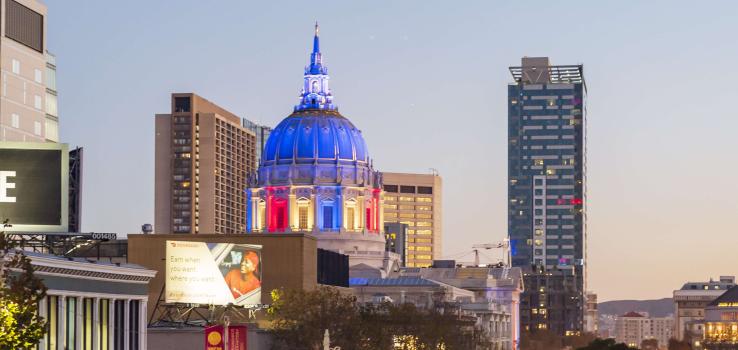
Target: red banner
x=237, y=337
x=215, y=338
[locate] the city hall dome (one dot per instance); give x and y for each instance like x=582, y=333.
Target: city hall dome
x=315, y=144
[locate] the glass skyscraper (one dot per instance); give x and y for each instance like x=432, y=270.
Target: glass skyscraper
x=546, y=192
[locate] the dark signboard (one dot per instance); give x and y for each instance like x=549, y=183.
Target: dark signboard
x=33, y=186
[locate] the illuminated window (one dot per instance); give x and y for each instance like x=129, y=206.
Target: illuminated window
x=390, y=206
x=424, y=224
x=407, y=199
x=538, y=162
x=408, y=223
x=410, y=232
x=350, y=222
x=423, y=257
x=390, y=215
x=550, y=171
x=424, y=232
x=411, y=248
x=103, y=337
x=52, y=319
x=407, y=215
x=424, y=216
x=425, y=199
x=407, y=207
x=538, y=232
x=423, y=207
x=390, y=198
x=423, y=240
x=303, y=217
x=424, y=249
x=87, y=324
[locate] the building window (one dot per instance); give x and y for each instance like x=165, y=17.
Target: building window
x=37, y=102
x=424, y=224
x=407, y=199
x=425, y=190
x=350, y=222
x=16, y=66
x=50, y=78
x=51, y=105
x=87, y=324
x=118, y=333
x=52, y=305
x=423, y=207
x=390, y=206
x=303, y=217
x=390, y=188
x=103, y=315
x=52, y=130
x=15, y=120
x=407, y=215
x=38, y=76
x=328, y=217
x=133, y=324
x=407, y=189
x=424, y=216
x=424, y=232
x=37, y=128
x=425, y=199
x=70, y=341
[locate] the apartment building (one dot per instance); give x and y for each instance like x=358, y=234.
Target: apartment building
x=203, y=156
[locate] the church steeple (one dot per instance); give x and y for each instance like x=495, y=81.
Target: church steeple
x=315, y=92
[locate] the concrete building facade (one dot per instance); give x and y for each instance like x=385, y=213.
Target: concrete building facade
x=203, y=156
x=23, y=66
x=262, y=134
x=415, y=200
x=547, y=182
x=633, y=328
x=690, y=302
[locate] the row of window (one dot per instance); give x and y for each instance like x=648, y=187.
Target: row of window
x=408, y=199
x=408, y=189
x=408, y=215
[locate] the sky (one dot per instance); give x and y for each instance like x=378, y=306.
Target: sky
x=426, y=83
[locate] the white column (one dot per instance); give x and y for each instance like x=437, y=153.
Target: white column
x=126, y=327
x=43, y=312
x=96, y=324
x=61, y=322
x=142, y=324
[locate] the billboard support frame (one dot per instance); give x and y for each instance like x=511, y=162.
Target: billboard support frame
x=180, y=315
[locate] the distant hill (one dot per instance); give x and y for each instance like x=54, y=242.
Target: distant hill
x=655, y=308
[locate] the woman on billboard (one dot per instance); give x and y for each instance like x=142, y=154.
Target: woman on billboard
x=242, y=279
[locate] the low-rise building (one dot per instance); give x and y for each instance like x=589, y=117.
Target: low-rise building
x=689, y=306
x=633, y=328
x=591, y=316
x=92, y=305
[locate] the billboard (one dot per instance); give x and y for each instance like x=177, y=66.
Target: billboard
x=215, y=337
x=213, y=273
x=34, y=186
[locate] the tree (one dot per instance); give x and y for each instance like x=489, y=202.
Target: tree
x=605, y=344
x=300, y=318
x=20, y=325
x=679, y=345
x=650, y=344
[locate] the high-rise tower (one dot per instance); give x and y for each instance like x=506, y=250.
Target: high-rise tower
x=547, y=193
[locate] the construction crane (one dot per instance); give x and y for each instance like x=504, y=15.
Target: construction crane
x=504, y=244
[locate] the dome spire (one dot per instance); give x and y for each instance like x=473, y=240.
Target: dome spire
x=315, y=92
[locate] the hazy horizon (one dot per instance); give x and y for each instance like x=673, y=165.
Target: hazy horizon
x=426, y=82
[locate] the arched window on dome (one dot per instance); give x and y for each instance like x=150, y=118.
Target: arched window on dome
x=314, y=88
x=277, y=215
x=303, y=214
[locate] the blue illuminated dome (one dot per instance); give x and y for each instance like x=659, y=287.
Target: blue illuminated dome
x=315, y=144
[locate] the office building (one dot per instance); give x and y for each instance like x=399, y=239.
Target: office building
x=546, y=187
x=690, y=302
x=51, y=128
x=262, y=134
x=633, y=328
x=23, y=65
x=415, y=200
x=203, y=156
x=721, y=322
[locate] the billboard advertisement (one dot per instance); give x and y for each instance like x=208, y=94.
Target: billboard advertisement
x=215, y=338
x=213, y=273
x=34, y=186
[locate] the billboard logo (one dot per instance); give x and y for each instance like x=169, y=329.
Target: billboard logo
x=5, y=186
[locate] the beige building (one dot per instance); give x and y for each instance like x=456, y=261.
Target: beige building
x=203, y=156
x=633, y=328
x=24, y=99
x=415, y=200
x=690, y=302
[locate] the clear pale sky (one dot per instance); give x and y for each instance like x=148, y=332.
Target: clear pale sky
x=426, y=83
